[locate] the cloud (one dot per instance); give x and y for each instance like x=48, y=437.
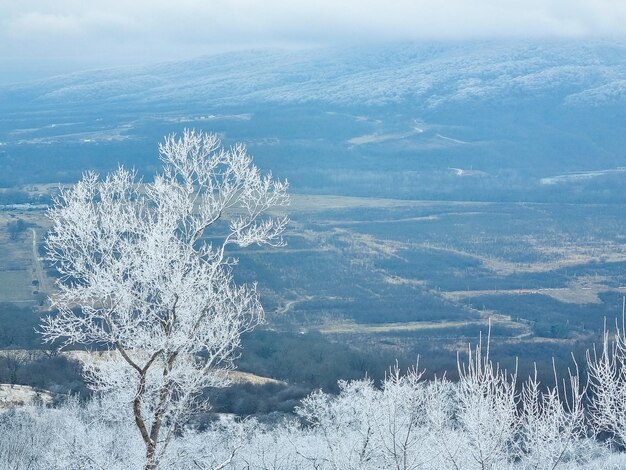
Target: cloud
x=119, y=29
x=50, y=26
x=43, y=24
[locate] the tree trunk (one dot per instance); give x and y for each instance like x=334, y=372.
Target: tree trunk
x=153, y=437
x=151, y=460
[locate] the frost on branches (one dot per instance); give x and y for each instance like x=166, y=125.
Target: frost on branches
x=144, y=270
x=482, y=422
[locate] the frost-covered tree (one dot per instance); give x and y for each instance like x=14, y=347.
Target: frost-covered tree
x=406, y=423
x=345, y=424
x=145, y=271
x=481, y=422
x=552, y=424
x=607, y=381
x=486, y=410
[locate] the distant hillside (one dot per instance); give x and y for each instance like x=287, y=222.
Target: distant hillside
x=430, y=76
x=478, y=120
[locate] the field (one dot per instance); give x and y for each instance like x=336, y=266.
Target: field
x=22, y=278
x=421, y=277
x=411, y=277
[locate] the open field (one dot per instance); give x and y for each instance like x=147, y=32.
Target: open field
x=16, y=287
x=409, y=275
x=22, y=275
x=234, y=376
x=359, y=328
x=11, y=395
x=580, y=292
x=320, y=203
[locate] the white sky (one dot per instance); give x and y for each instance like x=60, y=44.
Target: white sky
x=42, y=37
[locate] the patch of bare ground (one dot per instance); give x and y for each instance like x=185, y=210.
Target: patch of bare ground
x=288, y=305
x=580, y=255
x=17, y=395
x=368, y=245
x=367, y=328
x=234, y=376
x=239, y=377
x=402, y=281
x=314, y=203
x=583, y=290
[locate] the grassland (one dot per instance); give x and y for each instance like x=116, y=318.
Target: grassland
x=22, y=277
x=410, y=276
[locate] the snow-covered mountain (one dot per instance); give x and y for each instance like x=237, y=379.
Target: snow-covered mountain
x=397, y=120
x=427, y=75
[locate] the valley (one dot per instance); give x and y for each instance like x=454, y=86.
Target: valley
x=410, y=277
x=447, y=190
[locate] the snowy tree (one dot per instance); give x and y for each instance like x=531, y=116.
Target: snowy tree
x=486, y=410
x=404, y=408
x=552, y=428
x=607, y=381
x=345, y=424
x=145, y=271
x=406, y=423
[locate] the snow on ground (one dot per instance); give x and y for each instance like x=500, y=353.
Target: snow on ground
x=16, y=395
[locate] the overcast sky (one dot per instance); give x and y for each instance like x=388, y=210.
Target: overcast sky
x=43, y=37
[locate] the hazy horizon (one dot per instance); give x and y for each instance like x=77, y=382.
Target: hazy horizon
x=40, y=39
